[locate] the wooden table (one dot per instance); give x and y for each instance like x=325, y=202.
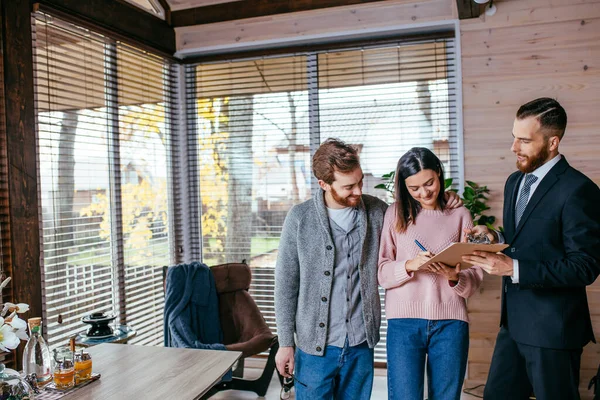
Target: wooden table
x=132, y=372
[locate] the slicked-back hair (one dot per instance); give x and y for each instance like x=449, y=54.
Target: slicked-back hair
x=412, y=162
x=334, y=155
x=551, y=115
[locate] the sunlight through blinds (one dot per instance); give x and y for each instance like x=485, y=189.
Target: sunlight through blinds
x=104, y=113
x=254, y=125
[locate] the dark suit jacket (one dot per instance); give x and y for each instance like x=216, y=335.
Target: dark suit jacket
x=557, y=244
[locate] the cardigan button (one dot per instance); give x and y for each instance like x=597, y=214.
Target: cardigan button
x=321, y=325
x=329, y=247
x=327, y=273
x=323, y=299
x=318, y=348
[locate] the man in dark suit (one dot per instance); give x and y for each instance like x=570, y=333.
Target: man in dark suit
x=552, y=223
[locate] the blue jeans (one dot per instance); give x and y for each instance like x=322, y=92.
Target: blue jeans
x=446, y=345
x=341, y=373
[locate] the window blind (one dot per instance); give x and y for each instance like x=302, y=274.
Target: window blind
x=104, y=113
x=254, y=125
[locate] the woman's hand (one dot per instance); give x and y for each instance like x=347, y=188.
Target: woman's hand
x=415, y=263
x=453, y=200
x=442, y=269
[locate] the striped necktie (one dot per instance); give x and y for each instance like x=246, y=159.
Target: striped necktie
x=524, y=197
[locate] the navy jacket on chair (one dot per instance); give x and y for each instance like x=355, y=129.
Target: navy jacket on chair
x=557, y=243
x=191, y=317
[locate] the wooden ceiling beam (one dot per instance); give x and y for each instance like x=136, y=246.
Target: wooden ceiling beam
x=468, y=9
x=167, y=9
x=252, y=8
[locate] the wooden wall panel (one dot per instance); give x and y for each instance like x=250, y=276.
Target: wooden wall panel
x=529, y=49
x=287, y=28
x=21, y=152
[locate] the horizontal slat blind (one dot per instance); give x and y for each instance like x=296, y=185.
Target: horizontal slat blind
x=254, y=123
x=104, y=111
x=146, y=97
x=252, y=160
x=386, y=101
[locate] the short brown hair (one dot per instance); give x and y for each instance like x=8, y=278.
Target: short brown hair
x=550, y=114
x=334, y=155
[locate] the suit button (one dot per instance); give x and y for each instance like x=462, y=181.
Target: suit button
x=329, y=247
x=321, y=325
x=318, y=348
x=512, y=249
x=323, y=299
x=327, y=273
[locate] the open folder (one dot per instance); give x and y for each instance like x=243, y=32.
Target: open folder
x=452, y=254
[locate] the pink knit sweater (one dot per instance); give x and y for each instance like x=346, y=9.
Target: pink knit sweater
x=424, y=294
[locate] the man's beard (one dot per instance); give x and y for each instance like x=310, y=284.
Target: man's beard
x=350, y=201
x=534, y=162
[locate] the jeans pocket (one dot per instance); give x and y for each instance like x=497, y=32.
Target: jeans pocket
x=297, y=381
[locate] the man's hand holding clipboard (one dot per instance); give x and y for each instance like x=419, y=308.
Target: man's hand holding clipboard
x=465, y=254
x=490, y=260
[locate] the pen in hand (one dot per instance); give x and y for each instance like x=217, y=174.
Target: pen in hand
x=422, y=258
x=420, y=245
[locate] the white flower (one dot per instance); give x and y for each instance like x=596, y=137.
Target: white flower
x=17, y=323
x=4, y=283
x=20, y=327
x=8, y=339
x=12, y=307
x=22, y=307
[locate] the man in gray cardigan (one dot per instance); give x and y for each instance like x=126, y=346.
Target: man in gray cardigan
x=326, y=294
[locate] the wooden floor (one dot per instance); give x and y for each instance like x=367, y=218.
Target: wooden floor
x=379, y=389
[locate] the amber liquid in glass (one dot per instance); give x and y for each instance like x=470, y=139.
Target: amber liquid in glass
x=83, y=371
x=64, y=379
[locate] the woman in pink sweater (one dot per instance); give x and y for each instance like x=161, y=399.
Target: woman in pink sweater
x=425, y=308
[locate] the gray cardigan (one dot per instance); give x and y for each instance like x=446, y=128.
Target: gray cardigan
x=304, y=273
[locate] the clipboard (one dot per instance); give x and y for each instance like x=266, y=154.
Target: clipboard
x=452, y=254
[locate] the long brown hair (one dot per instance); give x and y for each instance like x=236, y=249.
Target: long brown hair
x=412, y=162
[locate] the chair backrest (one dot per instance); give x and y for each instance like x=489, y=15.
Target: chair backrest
x=243, y=325
x=241, y=320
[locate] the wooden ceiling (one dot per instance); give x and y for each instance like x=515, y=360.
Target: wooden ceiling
x=179, y=13
x=177, y=5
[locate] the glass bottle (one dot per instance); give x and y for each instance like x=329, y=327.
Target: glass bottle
x=36, y=357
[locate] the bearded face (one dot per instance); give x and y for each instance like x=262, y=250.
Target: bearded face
x=345, y=190
x=529, y=163
x=351, y=200
x=530, y=145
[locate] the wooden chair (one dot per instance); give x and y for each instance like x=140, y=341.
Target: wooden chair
x=244, y=328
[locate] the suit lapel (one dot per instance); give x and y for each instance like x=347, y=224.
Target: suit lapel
x=510, y=220
x=549, y=180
